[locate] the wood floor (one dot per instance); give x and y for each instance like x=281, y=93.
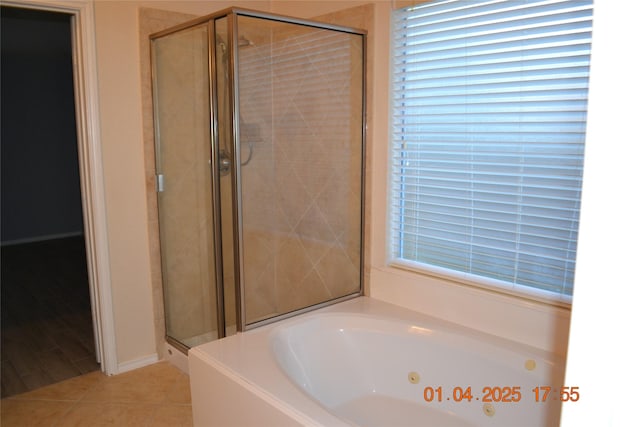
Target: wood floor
x=47, y=333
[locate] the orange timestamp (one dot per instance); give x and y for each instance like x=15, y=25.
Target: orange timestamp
x=501, y=394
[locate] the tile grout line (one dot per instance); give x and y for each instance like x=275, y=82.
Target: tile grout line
x=70, y=408
x=66, y=413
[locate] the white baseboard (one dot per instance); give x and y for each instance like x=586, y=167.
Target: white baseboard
x=137, y=363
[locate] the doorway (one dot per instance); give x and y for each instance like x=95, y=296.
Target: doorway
x=47, y=323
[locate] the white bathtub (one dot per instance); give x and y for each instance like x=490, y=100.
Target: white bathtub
x=368, y=363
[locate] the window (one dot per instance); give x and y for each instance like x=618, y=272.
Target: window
x=489, y=117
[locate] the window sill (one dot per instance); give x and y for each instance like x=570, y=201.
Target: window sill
x=540, y=324
x=485, y=284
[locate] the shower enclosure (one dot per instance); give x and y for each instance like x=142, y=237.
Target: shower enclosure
x=259, y=129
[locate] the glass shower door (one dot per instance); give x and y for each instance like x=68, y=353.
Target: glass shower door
x=185, y=185
x=300, y=143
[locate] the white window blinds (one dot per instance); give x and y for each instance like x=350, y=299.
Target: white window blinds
x=489, y=116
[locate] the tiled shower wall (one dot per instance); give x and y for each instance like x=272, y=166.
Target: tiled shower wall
x=151, y=21
x=269, y=243
x=300, y=107
x=186, y=203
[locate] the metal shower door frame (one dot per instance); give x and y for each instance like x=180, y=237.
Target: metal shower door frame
x=232, y=15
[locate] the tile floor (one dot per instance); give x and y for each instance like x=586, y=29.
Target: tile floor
x=157, y=395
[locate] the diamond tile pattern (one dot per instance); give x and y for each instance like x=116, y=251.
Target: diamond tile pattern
x=301, y=88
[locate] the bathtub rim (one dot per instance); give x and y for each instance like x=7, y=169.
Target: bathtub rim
x=256, y=374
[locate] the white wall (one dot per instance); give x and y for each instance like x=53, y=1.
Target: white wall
x=603, y=350
x=121, y=138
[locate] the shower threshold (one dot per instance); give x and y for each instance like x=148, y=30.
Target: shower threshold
x=207, y=337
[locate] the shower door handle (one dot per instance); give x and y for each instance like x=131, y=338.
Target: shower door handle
x=159, y=183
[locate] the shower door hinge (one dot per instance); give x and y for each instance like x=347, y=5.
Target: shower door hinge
x=159, y=183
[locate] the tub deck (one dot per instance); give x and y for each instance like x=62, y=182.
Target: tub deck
x=304, y=371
